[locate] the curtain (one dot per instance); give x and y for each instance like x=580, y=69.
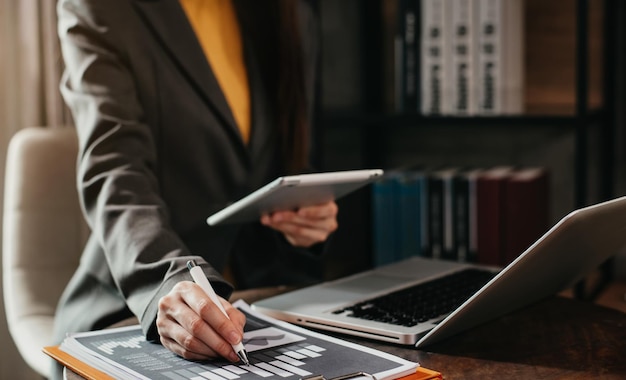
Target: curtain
x=32, y=64
x=30, y=70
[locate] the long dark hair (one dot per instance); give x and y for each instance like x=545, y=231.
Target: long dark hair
x=277, y=39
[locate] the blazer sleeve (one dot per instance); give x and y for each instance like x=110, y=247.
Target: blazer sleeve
x=118, y=186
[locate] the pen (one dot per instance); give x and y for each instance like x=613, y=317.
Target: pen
x=199, y=278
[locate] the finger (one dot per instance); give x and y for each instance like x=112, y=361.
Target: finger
x=304, y=232
x=187, y=306
x=286, y=218
x=278, y=217
x=182, y=343
x=321, y=211
x=235, y=315
x=304, y=215
x=209, y=324
x=171, y=314
x=298, y=223
x=307, y=215
x=300, y=236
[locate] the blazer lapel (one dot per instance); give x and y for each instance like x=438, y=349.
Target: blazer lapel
x=167, y=20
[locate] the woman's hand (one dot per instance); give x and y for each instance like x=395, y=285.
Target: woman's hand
x=305, y=226
x=193, y=327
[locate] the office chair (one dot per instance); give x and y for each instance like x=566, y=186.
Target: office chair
x=43, y=235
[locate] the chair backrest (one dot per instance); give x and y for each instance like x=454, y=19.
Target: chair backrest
x=43, y=234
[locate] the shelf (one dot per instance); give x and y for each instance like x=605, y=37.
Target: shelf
x=352, y=119
x=570, y=76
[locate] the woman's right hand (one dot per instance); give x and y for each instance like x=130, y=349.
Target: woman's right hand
x=193, y=327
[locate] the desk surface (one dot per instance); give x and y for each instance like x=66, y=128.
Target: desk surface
x=559, y=338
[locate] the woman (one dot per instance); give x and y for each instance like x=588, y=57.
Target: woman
x=181, y=108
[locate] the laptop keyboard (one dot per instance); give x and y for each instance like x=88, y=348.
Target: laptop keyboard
x=422, y=302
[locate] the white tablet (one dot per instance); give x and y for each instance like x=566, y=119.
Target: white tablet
x=292, y=192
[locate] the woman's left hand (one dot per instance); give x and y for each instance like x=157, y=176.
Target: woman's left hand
x=306, y=226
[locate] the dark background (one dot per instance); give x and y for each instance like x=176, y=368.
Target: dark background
x=573, y=122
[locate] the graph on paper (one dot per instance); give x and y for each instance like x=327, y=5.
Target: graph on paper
x=276, y=351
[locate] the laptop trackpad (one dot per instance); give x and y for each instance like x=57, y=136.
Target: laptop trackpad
x=371, y=283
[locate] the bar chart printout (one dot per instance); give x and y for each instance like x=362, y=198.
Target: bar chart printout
x=277, y=350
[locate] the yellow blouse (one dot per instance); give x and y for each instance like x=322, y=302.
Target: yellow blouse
x=216, y=26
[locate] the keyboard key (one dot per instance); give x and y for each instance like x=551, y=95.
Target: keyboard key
x=422, y=302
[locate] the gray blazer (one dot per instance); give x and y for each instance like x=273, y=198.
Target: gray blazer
x=159, y=152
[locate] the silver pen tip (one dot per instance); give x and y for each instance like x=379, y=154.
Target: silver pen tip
x=243, y=356
x=191, y=264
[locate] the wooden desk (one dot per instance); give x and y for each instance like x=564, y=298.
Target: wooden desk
x=559, y=338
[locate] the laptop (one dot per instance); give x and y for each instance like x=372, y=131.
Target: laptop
x=571, y=249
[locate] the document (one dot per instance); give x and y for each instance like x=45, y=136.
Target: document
x=276, y=349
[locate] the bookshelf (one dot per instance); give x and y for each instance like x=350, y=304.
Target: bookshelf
x=569, y=119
